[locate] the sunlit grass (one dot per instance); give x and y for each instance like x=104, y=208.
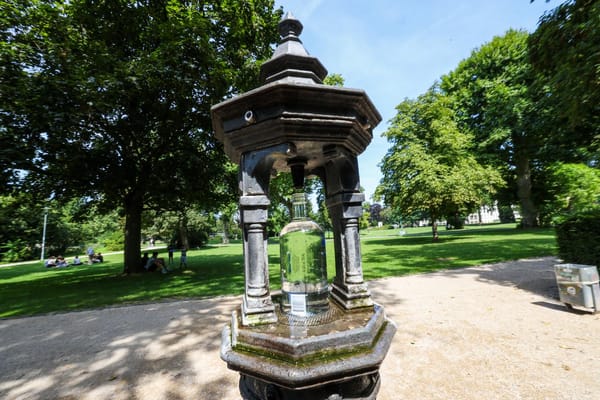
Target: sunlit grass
x=219, y=270
x=390, y=254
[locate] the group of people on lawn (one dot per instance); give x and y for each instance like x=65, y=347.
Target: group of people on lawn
x=57, y=262
x=156, y=263
x=94, y=257
x=149, y=264
x=61, y=262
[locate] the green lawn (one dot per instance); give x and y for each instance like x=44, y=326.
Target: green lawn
x=218, y=270
x=386, y=253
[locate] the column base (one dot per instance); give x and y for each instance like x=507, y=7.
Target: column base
x=351, y=296
x=363, y=387
x=261, y=312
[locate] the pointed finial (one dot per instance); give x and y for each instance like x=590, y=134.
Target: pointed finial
x=290, y=26
x=290, y=60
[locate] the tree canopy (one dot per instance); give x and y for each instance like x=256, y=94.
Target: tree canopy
x=572, y=188
x=494, y=97
x=565, y=50
x=111, y=100
x=429, y=166
x=531, y=104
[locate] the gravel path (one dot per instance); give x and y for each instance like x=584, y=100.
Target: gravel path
x=488, y=332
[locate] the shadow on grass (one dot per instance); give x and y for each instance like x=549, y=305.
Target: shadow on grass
x=400, y=260
x=407, y=241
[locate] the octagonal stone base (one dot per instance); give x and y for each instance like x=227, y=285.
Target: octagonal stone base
x=332, y=359
x=358, y=388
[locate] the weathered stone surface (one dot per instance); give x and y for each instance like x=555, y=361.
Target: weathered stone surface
x=298, y=357
x=364, y=387
x=310, y=116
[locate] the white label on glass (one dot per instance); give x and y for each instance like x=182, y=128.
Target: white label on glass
x=298, y=304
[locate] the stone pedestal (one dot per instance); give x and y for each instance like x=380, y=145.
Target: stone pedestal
x=335, y=354
x=363, y=387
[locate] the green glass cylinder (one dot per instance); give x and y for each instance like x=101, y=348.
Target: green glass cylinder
x=304, y=287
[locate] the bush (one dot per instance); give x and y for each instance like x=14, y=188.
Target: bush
x=506, y=214
x=578, y=238
x=572, y=188
x=455, y=221
x=114, y=241
x=197, y=237
x=15, y=250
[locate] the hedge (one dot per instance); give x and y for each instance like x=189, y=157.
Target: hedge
x=578, y=238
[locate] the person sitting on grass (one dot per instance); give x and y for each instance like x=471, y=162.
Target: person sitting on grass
x=50, y=262
x=61, y=262
x=77, y=261
x=156, y=264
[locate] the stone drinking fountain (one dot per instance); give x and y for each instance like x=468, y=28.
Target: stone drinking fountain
x=313, y=341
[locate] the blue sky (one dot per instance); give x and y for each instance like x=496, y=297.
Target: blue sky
x=396, y=49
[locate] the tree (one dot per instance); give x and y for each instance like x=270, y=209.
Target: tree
x=365, y=218
x=572, y=188
x=20, y=227
x=334, y=80
x=375, y=214
x=185, y=227
x=281, y=189
x=429, y=166
x=227, y=218
x=565, y=51
x=68, y=226
x=494, y=97
x=113, y=99
x=392, y=216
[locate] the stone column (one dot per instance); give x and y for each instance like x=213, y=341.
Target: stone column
x=255, y=171
x=344, y=202
x=257, y=306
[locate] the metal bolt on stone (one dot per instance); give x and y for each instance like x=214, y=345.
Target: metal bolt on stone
x=315, y=340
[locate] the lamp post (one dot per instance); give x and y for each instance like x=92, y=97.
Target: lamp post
x=44, y=232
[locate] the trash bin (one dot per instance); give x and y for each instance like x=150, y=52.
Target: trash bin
x=578, y=285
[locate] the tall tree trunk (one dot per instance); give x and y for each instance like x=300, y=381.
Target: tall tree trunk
x=434, y=228
x=226, y=230
x=133, y=233
x=183, y=232
x=528, y=208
